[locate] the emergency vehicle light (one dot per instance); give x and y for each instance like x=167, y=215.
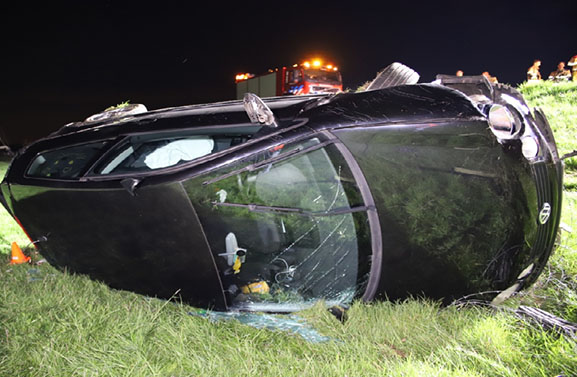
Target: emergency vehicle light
x=318, y=63
x=243, y=76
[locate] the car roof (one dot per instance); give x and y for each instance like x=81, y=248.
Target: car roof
x=227, y=112
x=415, y=103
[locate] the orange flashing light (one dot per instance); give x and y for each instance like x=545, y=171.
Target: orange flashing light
x=243, y=76
x=318, y=63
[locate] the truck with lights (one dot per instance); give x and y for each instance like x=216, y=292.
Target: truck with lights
x=300, y=79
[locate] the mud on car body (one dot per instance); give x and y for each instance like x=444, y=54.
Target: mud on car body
x=442, y=189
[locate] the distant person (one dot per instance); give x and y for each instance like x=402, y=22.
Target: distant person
x=492, y=79
x=561, y=74
x=533, y=73
x=573, y=64
x=459, y=73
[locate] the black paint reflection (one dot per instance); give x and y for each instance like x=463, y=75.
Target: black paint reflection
x=448, y=198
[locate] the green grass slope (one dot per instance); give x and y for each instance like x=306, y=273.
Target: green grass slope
x=9, y=229
x=559, y=103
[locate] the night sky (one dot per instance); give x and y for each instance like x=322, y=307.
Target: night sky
x=63, y=61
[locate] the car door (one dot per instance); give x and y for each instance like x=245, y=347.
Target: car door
x=287, y=225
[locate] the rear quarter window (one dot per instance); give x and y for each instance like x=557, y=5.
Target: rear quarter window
x=65, y=163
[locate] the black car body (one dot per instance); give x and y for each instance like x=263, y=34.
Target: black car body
x=443, y=189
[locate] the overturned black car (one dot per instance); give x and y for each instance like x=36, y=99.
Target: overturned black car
x=443, y=189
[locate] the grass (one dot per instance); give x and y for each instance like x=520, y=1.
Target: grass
x=9, y=229
x=60, y=324
x=559, y=102
x=64, y=325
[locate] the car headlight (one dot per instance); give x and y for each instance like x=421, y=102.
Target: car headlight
x=502, y=122
x=529, y=147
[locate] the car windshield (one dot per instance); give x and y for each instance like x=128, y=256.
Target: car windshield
x=321, y=75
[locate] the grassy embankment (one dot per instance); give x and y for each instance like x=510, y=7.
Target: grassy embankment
x=58, y=324
x=9, y=229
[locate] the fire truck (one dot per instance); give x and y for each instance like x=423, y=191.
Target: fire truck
x=309, y=77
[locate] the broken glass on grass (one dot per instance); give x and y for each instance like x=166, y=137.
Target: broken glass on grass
x=288, y=323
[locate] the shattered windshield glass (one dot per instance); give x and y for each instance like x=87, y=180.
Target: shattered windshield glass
x=288, y=231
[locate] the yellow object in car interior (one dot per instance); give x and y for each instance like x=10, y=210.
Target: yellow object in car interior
x=256, y=287
x=237, y=265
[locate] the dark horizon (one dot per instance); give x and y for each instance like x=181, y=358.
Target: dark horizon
x=71, y=60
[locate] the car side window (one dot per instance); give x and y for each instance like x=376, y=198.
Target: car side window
x=143, y=153
x=157, y=154
x=65, y=163
x=286, y=228
x=309, y=182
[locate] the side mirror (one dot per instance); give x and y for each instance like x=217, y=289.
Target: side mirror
x=258, y=111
